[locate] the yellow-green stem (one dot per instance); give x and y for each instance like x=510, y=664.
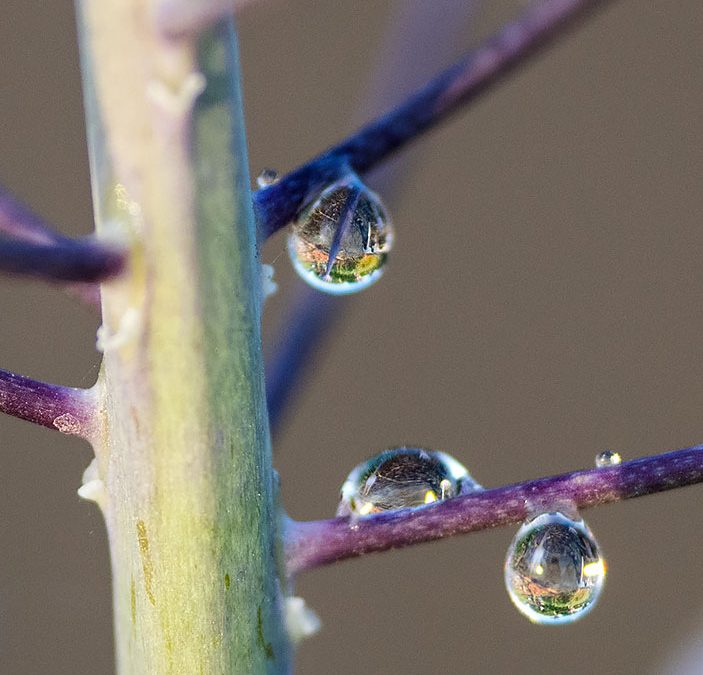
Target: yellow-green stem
x=184, y=454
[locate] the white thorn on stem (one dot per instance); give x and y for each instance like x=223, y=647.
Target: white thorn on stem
x=301, y=621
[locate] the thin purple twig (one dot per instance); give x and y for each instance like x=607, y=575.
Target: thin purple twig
x=278, y=204
x=69, y=410
x=316, y=543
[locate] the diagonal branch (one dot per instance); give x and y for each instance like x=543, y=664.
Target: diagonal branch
x=316, y=543
x=69, y=410
x=277, y=204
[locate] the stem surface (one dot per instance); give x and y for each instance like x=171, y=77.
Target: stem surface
x=185, y=456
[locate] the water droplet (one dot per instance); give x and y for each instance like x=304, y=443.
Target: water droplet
x=608, y=458
x=554, y=571
x=401, y=478
x=340, y=241
x=267, y=177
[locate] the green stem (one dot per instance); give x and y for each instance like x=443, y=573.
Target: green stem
x=184, y=456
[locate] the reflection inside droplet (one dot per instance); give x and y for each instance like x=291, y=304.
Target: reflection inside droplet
x=554, y=571
x=401, y=478
x=608, y=458
x=360, y=248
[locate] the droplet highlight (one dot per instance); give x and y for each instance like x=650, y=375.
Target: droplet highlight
x=340, y=241
x=608, y=458
x=554, y=571
x=267, y=177
x=402, y=478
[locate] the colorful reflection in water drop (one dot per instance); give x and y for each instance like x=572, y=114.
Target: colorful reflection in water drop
x=554, y=571
x=402, y=478
x=360, y=249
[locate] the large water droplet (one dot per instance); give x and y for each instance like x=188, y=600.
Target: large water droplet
x=554, y=571
x=348, y=225
x=401, y=478
x=608, y=458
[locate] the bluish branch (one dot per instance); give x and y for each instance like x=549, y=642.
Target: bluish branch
x=316, y=543
x=307, y=321
x=277, y=204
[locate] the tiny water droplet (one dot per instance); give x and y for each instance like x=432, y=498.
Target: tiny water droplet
x=554, y=571
x=608, y=458
x=348, y=222
x=267, y=177
x=401, y=478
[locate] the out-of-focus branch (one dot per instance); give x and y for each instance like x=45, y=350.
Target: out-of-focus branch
x=316, y=543
x=33, y=248
x=309, y=318
x=75, y=260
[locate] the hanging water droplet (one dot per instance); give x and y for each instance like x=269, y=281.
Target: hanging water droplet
x=554, y=571
x=401, y=478
x=340, y=241
x=267, y=177
x=608, y=458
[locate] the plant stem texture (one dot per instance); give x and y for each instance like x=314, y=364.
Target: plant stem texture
x=185, y=456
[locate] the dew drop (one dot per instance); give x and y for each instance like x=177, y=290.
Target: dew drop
x=608, y=458
x=347, y=223
x=401, y=478
x=554, y=571
x=267, y=177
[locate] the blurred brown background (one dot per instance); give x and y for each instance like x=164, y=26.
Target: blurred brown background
x=543, y=302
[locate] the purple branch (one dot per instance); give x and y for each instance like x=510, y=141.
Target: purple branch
x=316, y=543
x=76, y=260
x=69, y=410
x=32, y=248
x=460, y=84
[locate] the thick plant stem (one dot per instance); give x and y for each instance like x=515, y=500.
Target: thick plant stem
x=185, y=457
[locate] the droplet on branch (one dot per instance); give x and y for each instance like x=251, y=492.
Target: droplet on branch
x=554, y=571
x=608, y=458
x=267, y=177
x=402, y=478
x=340, y=240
